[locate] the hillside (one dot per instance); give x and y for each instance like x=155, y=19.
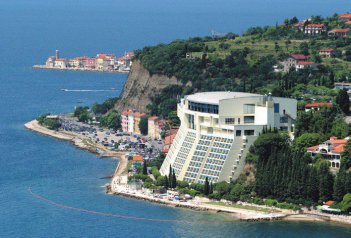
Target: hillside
x=140, y=86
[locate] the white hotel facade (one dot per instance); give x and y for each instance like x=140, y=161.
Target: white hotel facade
x=217, y=129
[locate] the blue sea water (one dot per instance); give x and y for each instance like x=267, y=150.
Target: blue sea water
x=32, y=30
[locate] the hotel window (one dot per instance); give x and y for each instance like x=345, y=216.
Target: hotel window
x=238, y=133
x=276, y=107
x=249, y=108
x=284, y=120
x=191, y=121
x=249, y=119
x=249, y=132
x=239, y=121
x=229, y=121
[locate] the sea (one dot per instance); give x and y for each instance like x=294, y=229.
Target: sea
x=42, y=178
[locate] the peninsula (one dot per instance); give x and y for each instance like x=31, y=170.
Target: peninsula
x=101, y=63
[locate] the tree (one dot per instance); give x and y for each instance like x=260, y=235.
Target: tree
x=342, y=99
x=111, y=120
x=174, y=179
x=308, y=139
x=143, y=125
x=145, y=168
x=346, y=203
x=303, y=48
x=170, y=177
x=207, y=187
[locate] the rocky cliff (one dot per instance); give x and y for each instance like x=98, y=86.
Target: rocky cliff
x=139, y=86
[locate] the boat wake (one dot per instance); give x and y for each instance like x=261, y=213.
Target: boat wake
x=82, y=210
x=88, y=90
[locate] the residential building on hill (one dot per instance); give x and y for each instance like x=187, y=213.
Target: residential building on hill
x=292, y=61
x=216, y=130
x=331, y=150
x=311, y=29
x=346, y=17
x=306, y=65
x=326, y=52
x=137, y=118
x=317, y=106
x=340, y=32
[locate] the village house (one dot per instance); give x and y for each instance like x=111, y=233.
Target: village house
x=89, y=63
x=155, y=127
x=306, y=65
x=346, y=17
x=326, y=52
x=50, y=62
x=317, y=106
x=311, y=29
x=292, y=61
x=331, y=150
x=104, y=61
x=61, y=63
x=340, y=32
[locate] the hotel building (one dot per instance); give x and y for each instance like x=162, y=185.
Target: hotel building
x=217, y=129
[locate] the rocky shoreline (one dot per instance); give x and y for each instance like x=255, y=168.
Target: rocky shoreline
x=81, y=69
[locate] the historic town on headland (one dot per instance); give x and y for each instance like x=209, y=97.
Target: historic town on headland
x=255, y=125
x=100, y=63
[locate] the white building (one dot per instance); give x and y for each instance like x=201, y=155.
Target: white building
x=131, y=123
x=217, y=129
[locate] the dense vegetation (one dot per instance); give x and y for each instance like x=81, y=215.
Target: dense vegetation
x=233, y=63
x=52, y=124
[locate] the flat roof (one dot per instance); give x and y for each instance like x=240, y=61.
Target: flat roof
x=215, y=97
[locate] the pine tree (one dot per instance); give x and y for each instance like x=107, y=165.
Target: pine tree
x=207, y=187
x=342, y=99
x=331, y=79
x=167, y=182
x=174, y=180
x=211, y=188
x=145, y=168
x=339, y=186
x=170, y=177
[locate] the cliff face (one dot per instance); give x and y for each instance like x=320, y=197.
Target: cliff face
x=140, y=86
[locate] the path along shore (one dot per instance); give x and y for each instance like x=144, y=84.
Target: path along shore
x=196, y=204
x=81, y=142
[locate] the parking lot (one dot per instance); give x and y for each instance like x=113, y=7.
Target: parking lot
x=113, y=140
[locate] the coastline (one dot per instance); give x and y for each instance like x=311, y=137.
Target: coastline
x=80, y=69
x=238, y=213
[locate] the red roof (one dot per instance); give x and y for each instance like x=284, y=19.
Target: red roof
x=329, y=203
x=138, y=114
x=341, y=30
x=315, y=25
x=298, y=56
x=137, y=158
x=337, y=145
x=305, y=63
x=299, y=24
x=319, y=104
x=169, y=139
x=326, y=50
x=345, y=15
x=154, y=118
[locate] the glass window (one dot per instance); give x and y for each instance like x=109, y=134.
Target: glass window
x=249, y=119
x=284, y=120
x=238, y=133
x=229, y=120
x=249, y=108
x=276, y=107
x=249, y=132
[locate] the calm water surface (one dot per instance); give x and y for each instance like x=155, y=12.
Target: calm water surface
x=32, y=30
